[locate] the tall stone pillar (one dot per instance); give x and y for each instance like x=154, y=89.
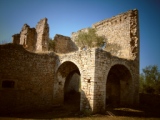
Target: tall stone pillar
x=42, y=30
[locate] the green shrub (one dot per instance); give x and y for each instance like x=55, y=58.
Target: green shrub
x=89, y=39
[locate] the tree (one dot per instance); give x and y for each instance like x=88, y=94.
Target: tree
x=51, y=44
x=150, y=80
x=89, y=39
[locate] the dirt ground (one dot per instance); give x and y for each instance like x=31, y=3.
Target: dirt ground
x=73, y=112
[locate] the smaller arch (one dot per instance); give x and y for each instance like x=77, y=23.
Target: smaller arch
x=64, y=79
x=119, y=86
x=70, y=61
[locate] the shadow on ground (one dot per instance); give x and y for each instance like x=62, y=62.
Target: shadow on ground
x=67, y=111
x=146, y=112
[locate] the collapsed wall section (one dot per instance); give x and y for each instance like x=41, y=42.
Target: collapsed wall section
x=64, y=44
x=34, y=40
x=26, y=79
x=16, y=38
x=42, y=30
x=28, y=37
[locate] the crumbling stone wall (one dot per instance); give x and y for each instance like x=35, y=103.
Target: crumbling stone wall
x=34, y=40
x=32, y=76
x=64, y=44
x=16, y=38
x=28, y=37
x=42, y=30
x=121, y=31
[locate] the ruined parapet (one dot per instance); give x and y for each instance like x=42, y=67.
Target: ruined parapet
x=34, y=39
x=121, y=33
x=28, y=37
x=42, y=30
x=64, y=44
x=16, y=39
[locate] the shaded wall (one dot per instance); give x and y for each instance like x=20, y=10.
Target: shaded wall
x=26, y=79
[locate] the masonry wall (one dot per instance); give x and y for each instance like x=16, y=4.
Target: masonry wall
x=64, y=44
x=122, y=30
x=16, y=38
x=33, y=39
x=42, y=29
x=121, y=34
x=85, y=62
x=129, y=95
x=31, y=79
x=28, y=37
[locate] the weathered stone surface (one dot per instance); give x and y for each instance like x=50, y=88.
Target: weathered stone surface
x=36, y=81
x=121, y=31
x=64, y=44
x=16, y=38
x=33, y=76
x=28, y=37
x=42, y=30
x=34, y=40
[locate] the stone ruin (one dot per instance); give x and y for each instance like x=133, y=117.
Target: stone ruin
x=33, y=39
x=33, y=78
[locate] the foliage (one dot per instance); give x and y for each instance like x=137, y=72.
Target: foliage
x=51, y=44
x=150, y=80
x=89, y=39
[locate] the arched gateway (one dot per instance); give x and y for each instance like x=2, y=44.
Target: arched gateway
x=68, y=85
x=119, y=86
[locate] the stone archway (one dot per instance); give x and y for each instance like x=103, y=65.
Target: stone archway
x=72, y=90
x=68, y=82
x=119, y=86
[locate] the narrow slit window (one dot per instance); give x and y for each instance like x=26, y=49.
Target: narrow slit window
x=8, y=84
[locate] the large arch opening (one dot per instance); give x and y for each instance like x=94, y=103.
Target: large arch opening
x=119, y=87
x=68, y=76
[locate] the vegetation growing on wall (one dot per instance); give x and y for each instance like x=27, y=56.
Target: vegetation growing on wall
x=51, y=44
x=150, y=80
x=89, y=39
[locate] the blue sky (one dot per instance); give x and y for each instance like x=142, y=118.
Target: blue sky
x=67, y=16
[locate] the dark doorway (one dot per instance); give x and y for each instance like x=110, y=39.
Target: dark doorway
x=118, y=86
x=72, y=90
